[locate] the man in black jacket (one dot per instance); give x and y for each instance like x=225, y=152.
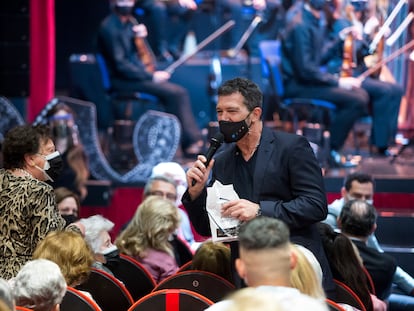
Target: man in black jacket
x=275, y=174
x=358, y=221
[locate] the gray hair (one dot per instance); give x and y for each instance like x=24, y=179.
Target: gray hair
x=94, y=225
x=263, y=233
x=148, y=185
x=6, y=294
x=39, y=285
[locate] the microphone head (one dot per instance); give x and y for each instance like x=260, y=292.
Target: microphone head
x=217, y=139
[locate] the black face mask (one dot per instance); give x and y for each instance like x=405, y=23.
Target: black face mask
x=56, y=165
x=233, y=131
x=124, y=10
x=69, y=219
x=111, y=255
x=317, y=4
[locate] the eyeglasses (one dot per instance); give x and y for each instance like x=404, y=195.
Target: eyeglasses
x=166, y=195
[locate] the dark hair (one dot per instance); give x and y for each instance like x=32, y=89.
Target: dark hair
x=22, y=140
x=250, y=91
x=358, y=218
x=62, y=193
x=344, y=262
x=361, y=178
x=263, y=233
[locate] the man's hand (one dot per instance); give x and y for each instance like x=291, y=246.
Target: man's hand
x=242, y=209
x=189, y=4
x=160, y=76
x=349, y=83
x=197, y=176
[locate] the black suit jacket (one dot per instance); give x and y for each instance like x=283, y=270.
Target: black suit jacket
x=288, y=185
x=380, y=266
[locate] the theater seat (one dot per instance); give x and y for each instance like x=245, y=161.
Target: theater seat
x=76, y=300
x=135, y=277
x=108, y=292
x=208, y=284
x=347, y=295
x=172, y=300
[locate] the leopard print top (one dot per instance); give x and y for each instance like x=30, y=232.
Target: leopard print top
x=27, y=213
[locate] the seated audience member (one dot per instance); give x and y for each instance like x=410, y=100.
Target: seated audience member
x=146, y=236
x=97, y=230
x=75, y=173
x=182, y=239
x=39, y=286
x=68, y=204
x=214, y=257
x=250, y=299
x=175, y=171
x=307, y=274
x=70, y=252
x=360, y=185
x=6, y=296
x=357, y=221
x=266, y=262
x=347, y=266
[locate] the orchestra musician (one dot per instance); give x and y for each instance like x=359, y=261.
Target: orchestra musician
x=128, y=73
x=272, y=14
x=384, y=97
x=168, y=23
x=302, y=47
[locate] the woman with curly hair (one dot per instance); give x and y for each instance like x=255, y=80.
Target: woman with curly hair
x=146, y=236
x=27, y=203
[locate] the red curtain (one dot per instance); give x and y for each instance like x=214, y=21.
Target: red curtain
x=42, y=55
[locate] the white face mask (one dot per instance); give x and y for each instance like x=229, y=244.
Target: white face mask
x=46, y=166
x=350, y=198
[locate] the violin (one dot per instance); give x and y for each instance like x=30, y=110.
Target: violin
x=145, y=53
x=348, y=55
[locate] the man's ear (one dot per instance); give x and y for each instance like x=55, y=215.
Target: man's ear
x=240, y=268
x=374, y=227
x=343, y=193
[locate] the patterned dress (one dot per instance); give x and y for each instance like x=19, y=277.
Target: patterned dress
x=27, y=213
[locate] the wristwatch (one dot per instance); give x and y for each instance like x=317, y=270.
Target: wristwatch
x=259, y=212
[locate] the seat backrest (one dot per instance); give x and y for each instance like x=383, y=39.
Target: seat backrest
x=270, y=56
x=108, y=292
x=346, y=295
x=187, y=266
x=208, y=284
x=333, y=306
x=76, y=300
x=133, y=274
x=88, y=83
x=172, y=300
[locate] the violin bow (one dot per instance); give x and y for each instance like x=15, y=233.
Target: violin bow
x=170, y=69
x=390, y=57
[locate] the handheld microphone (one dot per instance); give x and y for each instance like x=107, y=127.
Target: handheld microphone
x=215, y=143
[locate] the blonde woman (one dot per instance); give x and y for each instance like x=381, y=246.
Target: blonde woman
x=146, y=236
x=70, y=252
x=307, y=274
